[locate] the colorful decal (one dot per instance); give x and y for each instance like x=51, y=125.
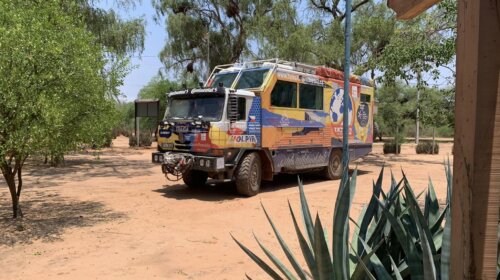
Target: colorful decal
x=280, y=129
x=166, y=133
x=363, y=114
x=311, y=119
x=337, y=107
x=242, y=139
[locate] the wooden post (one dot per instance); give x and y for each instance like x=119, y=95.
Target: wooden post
x=476, y=168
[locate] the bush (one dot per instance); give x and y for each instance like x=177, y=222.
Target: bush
x=390, y=148
x=120, y=131
x=425, y=147
x=392, y=236
x=145, y=140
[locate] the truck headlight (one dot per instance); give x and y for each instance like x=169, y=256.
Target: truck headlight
x=202, y=162
x=207, y=164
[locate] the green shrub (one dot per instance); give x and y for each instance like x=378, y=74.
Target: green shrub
x=121, y=131
x=393, y=238
x=425, y=147
x=390, y=148
x=145, y=140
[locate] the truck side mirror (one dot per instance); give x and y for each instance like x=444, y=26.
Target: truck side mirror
x=232, y=109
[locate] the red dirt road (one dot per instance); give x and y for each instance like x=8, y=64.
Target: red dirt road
x=118, y=218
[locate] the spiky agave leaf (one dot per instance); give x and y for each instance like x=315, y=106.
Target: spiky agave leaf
x=275, y=260
x=395, y=268
x=304, y=246
x=355, y=235
x=306, y=213
x=418, y=217
x=284, y=246
x=408, y=245
x=427, y=254
x=340, y=226
x=379, y=268
x=262, y=264
x=321, y=251
x=359, y=270
x=365, y=268
x=446, y=243
x=431, y=210
x=370, y=210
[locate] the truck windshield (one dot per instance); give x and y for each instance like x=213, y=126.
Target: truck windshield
x=226, y=79
x=208, y=108
x=252, y=78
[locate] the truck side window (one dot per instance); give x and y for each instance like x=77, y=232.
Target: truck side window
x=365, y=98
x=284, y=94
x=311, y=97
x=242, y=108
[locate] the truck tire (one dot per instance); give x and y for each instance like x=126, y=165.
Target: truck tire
x=333, y=170
x=195, y=178
x=249, y=175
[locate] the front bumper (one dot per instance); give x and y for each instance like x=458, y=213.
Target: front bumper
x=202, y=163
x=157, y=157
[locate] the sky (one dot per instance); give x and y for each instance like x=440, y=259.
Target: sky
x=147, y=65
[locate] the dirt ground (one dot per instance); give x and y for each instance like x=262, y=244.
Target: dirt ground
x=117, y=217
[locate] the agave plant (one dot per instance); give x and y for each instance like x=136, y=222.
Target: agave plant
x=393, y=237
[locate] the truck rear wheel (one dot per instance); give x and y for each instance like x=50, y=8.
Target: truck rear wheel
x=334, y=169
x=249, y=175
x=195, y=178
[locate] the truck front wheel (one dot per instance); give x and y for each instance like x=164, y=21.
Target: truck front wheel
x=248, y=175
x=195, y=178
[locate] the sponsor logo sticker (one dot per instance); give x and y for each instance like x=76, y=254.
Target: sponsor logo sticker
x=242, y=139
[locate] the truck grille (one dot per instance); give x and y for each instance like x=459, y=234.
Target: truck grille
x=185, y=146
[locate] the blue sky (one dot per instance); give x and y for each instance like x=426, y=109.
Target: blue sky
x=148, y=64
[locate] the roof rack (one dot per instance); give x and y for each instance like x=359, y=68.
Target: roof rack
x=323, y=71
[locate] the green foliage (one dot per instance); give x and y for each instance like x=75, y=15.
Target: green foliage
x=397, y=110
x=437, y=107
x=393, y=238
x=308, y=31
x=56, y=89
x=157, y=88
x=390, y=148
x=425, y=147
x=145, y=140
x=420, y=45
x=217, y=29
x=120, y=37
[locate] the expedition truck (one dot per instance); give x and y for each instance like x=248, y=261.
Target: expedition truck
x=253, y=120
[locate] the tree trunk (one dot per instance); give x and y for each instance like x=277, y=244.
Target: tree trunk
x=433, y=139
x=9, y=174
x=397, y=140
x=417, y=132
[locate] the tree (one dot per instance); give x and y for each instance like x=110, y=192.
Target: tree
x=395, y=109
x=157, y=88
x=437, y=108
x=420, y=45
x=55, y=84
x=208, y=32
x=119, y=37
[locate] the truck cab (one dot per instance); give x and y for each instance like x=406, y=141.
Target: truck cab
x=253, y=120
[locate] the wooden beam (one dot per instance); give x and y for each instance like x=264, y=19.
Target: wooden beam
x=408, y=9
x=476, y=168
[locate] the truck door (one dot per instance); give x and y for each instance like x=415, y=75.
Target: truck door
x=244, y=130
